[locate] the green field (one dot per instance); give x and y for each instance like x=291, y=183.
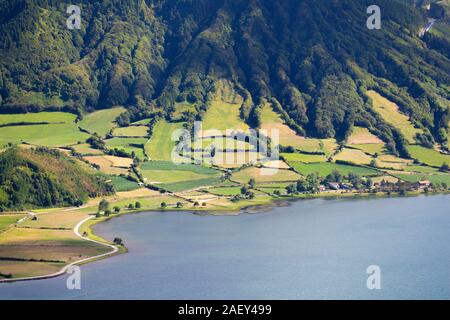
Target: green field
x=170, y=166
x=324, y=169
x=434, y=178
x=370, y=148
x=160, y=146
x=225, y=191
x=191, y=184
x=85, y=149
x=131, y=131
x=390, y=112
x=101, y=122
x=306, y=158
x=224, y=111
x=51, y=135
x=428, y=156
x=128, y=145
x=50, y=117
x=123, y=184
x=7, y=220
x=421, y=169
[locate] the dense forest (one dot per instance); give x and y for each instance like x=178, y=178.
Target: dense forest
x=34, y=178
x=314, y=59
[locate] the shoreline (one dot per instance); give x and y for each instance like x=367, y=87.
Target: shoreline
x=87, y=224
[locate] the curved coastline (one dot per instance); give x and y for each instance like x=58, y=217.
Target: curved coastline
x=254, y=209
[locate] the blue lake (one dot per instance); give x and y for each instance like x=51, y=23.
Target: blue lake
x=312, y=249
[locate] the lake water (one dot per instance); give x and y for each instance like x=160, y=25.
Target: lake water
x=313, y=249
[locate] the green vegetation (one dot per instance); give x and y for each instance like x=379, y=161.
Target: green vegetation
x=190, y=184
x=45, y=178
x=131, y=131
x=392, y=115
x=123, y=184
x=128, y=145
x=170, y=166
x=8, y=220
x=306, y=158
x=40, y=117
x=100, y=122
x=225, y=191
x=428, y=156
x=161, y=145
x=324, y=169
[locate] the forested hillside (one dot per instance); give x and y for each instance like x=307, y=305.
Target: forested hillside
x=314, y=59
x=45, y=178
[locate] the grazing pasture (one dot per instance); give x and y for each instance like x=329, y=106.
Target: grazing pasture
x=262, y=175
x=306, y=158
x=131, y=131
x=160, y=145
x=354, y=156
x=39, y=117
x=224, y=112
x=324, y=169
x=391, y=113
x=363, y=136
x=101, y=122
x=50, y=135
x=428, y=156
x=7, y=220
x=272, y=123
x=123, y=184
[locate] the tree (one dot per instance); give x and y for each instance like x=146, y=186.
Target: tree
x=118, y=241
x=291, y=189
x=445, y=168
x=107, y=213
x=116, y=210
x=179, y=205
x=373, y=163
x=369, y=183
x=252, y=183
x=131, y=206
x=196, y=204
x=313, y=183
x=250, y=195
x=163, y=205
x=244, y=190
x=103, y=205
x=138, y=205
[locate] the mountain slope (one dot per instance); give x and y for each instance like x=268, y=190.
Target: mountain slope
x=43, y=178
x=316, y=59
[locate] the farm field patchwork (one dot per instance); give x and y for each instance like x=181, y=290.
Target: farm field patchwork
x=371, y=148
x=85, y=149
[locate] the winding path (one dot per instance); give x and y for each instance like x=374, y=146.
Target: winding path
x=76, y=230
